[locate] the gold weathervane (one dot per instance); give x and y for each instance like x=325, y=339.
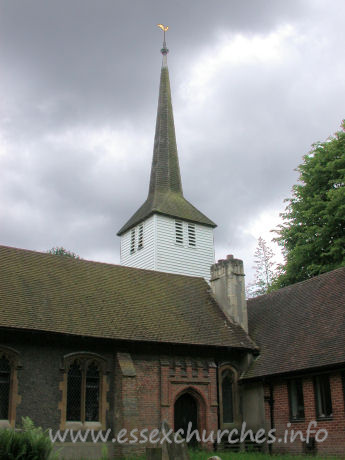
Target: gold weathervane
x=164, y=50
x=164, y=28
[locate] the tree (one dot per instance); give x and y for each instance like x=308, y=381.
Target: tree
x=313, y=233
x=265, y=270
x=60, y=251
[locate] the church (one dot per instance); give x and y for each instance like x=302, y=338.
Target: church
x=168, y=335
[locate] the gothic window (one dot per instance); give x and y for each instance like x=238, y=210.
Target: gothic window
x=5, y=379
x=74, y=392
x=296, y=400
x=84, y=389
x=92, y=393
x=227, y=394
x=83, y=392
x=323, y=396
x=9, y=364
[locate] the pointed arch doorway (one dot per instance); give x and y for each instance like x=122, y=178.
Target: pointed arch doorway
x=186, y=411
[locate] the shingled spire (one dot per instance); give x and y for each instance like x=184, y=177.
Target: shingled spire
x=165, y=191
x=165, y=172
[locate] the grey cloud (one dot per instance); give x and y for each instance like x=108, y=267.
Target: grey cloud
x=73, y=65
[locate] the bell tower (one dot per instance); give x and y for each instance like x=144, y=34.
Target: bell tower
x=167, y=233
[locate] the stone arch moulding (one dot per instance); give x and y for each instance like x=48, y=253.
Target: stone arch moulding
x=85, y=355
x=229, y=365
x=14, y=399
x=201, y=402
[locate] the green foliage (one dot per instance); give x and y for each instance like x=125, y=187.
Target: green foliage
x=265, y=270
x=60, y=251
x=313, y=233
x=105, y=455
x=30, y=443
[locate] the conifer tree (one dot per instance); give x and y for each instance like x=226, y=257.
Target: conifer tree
x=265, y=270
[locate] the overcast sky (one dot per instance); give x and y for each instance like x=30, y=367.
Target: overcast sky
x=254, y=84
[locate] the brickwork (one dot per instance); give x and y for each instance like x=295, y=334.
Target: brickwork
x=335, y=443
x=148, y=398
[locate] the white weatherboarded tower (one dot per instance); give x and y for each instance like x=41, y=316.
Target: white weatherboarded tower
x=167, y=233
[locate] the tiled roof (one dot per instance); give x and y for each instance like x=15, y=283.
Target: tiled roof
x=165, y=191
x=45, y=292
x=299, y=327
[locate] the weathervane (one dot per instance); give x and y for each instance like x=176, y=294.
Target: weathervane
x=164, y=50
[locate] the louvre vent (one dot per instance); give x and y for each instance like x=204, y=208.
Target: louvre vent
x=178, y=232
x=191, y=235
x=141, y=237
x=133, y=241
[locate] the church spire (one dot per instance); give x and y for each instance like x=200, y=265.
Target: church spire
x=165, y=171
x=165, y=191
